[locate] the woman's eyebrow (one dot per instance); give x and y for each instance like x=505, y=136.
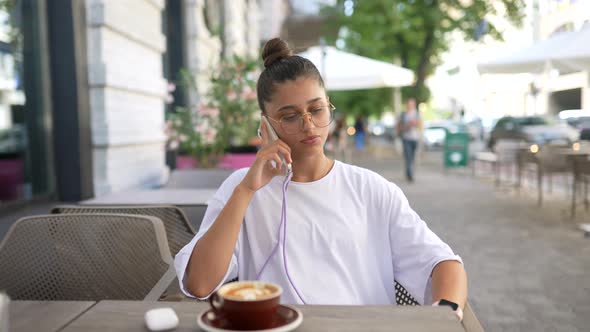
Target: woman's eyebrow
x=288, y=107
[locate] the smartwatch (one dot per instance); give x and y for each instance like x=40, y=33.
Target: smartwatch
x=454, y=306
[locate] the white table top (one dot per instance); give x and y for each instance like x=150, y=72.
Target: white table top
x=178, y=197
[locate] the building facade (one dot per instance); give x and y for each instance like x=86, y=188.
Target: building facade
x=94, y=76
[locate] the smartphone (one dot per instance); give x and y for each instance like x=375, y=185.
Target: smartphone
x=273, y=137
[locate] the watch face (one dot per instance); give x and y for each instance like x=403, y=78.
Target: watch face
x=453, y=305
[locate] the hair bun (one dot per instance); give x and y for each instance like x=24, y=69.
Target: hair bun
x=275, y=50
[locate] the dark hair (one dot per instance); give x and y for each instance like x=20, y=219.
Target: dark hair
x=281, y=65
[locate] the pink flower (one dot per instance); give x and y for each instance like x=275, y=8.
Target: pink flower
x=231, y=95
x=173, y=144
x=208, y=111
x=248, y=94
x=169, y=99
x=171, y=87
x=168, y=128
x=209, y=136
x=200, y=128
x=183, y=138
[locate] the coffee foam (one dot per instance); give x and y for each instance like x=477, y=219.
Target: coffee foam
x=249, y=291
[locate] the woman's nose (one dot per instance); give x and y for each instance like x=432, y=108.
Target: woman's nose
x=307, y=122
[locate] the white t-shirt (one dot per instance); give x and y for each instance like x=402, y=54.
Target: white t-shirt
x=349, y=235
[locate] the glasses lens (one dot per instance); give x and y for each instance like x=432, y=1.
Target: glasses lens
x=321, y=117
x=291, y=123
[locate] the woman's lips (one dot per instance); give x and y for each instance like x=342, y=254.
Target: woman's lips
x=310, y=139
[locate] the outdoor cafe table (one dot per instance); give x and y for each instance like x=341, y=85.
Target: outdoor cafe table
x=44, y=315
x=129, y=316
x=163, y=196
x=192, y=201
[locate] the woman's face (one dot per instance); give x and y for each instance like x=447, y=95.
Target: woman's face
x=292, y=98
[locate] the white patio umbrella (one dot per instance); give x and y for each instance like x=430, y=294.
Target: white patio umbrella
x=347, y=71
x=566, y=52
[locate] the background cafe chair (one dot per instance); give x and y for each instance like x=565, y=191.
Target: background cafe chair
x=179, y=230
x=549, y=162
x=507, y=152
x=581, y=171
x=86, y=257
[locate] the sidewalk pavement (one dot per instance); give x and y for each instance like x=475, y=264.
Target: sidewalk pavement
x=528, y=266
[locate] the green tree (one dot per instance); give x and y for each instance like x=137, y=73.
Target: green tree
x=413, y=34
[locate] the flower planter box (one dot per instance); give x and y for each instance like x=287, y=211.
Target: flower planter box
x=237, y=160
x=228, y=161
x=186, y=162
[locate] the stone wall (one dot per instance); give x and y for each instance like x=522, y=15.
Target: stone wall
x=127, y=92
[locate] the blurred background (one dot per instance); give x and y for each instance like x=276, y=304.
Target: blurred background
x=103, y=96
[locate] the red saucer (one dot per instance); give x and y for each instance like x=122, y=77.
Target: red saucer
x=286, y=319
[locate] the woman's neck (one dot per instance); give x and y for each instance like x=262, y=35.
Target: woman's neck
x=311, y=168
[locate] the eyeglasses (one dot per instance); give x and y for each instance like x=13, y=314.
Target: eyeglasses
x=292, y=123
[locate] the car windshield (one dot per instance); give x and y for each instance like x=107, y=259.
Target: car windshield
x=533, y=121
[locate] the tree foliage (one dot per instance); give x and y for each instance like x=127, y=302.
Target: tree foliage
x=413, y=34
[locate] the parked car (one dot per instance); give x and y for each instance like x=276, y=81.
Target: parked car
x=583, y=125
x=533, y=129
x=434, y=134
x=579, y=119
x=12, y=140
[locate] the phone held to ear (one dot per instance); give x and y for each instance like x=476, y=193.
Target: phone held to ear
x=273, y=137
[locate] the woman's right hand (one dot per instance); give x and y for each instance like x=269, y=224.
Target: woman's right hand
x=262, y=171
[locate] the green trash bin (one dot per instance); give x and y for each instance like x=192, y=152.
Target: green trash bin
x=456, y=149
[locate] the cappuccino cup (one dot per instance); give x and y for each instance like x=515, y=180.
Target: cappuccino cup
x=247, y=305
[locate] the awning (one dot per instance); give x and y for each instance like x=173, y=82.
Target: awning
x=347, y=71
x=566, y=52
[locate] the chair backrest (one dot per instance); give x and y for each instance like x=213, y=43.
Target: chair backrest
x=507, y=150
x=550, y=159
x=83, y=257
x=179, y=231
x=581, y=165
x=196, y=214
x=197, y=178
x=402, y=296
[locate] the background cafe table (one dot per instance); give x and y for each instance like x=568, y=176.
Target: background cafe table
x=128, y=316
x=178, y=197
x=192, y=201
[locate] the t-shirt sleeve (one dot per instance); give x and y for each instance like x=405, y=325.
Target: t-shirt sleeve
x=214, y=207
x=415, y=249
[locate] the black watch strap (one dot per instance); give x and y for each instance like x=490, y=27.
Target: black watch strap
x=453, y=305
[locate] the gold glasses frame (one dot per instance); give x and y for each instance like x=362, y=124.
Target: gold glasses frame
x=301, y=121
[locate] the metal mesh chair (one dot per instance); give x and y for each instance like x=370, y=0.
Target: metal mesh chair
x=470, y=321
x=179, y=231
x=85, y=257
x=402, y=296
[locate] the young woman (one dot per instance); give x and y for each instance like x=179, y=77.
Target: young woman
x=347, y=232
